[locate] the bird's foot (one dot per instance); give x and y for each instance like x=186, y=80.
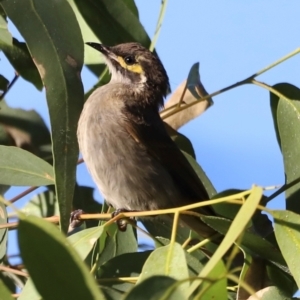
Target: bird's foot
x=122, y=223
x=75, y=218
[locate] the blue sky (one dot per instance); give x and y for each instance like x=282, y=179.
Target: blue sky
x=234, y=140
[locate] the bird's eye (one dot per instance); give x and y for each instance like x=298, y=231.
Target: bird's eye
x=129, y=60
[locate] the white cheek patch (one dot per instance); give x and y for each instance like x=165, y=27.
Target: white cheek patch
x=116, y=76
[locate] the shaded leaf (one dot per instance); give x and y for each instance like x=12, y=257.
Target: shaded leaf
x=270, y=293
x=282, y=280
x=5, y=36
x=124, y=265
x=3, y=231
x=26, y=129
x=20, y=168
x=286, y=116
x=211, y=191
x=5, y=292
x=252, y=241
x=42, y=205
x=20, y=58
x=183, y=143
x=42, y=248
x=237, y=227
x=287, y=232
x=217, y=289
x=58, y=56
x=3, y=82
x=133, y=8
x=195, y=91
x=113, y=22
x=156, y=287
x=167, y=260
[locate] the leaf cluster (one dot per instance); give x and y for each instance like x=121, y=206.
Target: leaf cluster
x=249, y=256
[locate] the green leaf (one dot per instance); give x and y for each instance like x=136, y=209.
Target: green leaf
x=250, y=240
x=85, y=240
x=4, y=292
x=20, y=58
x=124, y=265
x=286, y=116
x=201, y=174
x=183, y=143
x=272, y=293
x=217, y=289
x=54, y=40
x=156, y=287
x=26, y=129
x=90, y=55
x=3, y=231
x=113, y=22
x=5, y=36
x=237, y=227
x=3, y=83
x=29, y=291
x=133, y=8
x=21, y=168
x=42, y=205
x=42, y=248
x=287, y=232
x=167, y=260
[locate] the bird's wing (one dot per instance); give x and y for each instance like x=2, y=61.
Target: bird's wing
x=152, y=136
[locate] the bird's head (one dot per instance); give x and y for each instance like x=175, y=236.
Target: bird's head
x=133, y=64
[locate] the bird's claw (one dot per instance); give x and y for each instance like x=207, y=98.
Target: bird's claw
x=121, y=223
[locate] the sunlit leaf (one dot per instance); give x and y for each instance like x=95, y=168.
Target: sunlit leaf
x=287, y=232
x=286, y=116
x=42, y=248
x=21, y=168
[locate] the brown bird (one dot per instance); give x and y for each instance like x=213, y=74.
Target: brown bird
x=131, y=158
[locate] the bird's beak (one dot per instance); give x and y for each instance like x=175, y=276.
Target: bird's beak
x=105, y=50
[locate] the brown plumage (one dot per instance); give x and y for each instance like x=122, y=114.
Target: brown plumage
x=126, y=148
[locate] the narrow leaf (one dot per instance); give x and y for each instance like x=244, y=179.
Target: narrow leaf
x=21, y=168
x=20, y=58
x=3, y=231
x=287, y=232
x=286, y=116
x=58, y=55
x=113, y=22
x=42, y=248
x=5, y=36
x=236, y=228
x=4, y=292
x=156, y=287
x=167, y=260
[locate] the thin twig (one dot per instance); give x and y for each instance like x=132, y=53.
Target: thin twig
x=9, y=86
x=14, y=271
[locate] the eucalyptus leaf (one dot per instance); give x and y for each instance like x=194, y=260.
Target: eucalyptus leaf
x=42, y=248
x=53, y=37
x=21, y=168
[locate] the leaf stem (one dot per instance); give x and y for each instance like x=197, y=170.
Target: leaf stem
x=159, y=24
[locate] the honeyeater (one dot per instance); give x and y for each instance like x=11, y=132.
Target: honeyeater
x=124, y=143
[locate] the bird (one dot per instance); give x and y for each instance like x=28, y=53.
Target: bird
x=126, y=148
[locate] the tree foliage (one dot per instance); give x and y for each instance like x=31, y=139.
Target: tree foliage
x=248, y=254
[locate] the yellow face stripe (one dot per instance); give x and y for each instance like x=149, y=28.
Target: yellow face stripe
x=136, y=68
